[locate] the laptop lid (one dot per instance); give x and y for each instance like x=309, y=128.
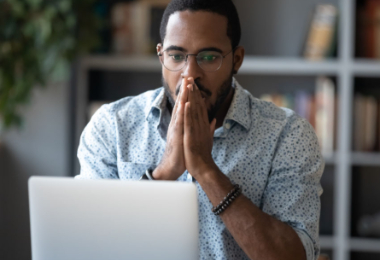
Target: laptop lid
x=112, y=219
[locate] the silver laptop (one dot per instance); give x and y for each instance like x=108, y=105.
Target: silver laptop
x=113, y=219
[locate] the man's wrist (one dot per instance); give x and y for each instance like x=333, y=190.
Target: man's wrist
x=207, y=174
x=159, y=174
x=156, y=174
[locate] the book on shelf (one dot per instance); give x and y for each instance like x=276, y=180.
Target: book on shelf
x=135, y=26
x=370, y=124
x=302, y=104
x=317, y=107
x=312, y=108
x=368, y=29
x=369, y=225
x=321, y=40
x=366, y=122
x=377, y=31
x=378, y=126
x=359, y=110
x=324, y=113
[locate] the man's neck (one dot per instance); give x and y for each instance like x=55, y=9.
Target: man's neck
x=221, y=114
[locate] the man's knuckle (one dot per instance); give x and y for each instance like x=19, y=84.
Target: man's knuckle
x=194, y=148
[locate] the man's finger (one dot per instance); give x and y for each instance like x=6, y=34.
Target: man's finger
x=201, y=106
x=185, y=91
x=174, y=112
x=178, y=112
x=198, y=110
x=190, y=92
x=190, y=80
x=188, y=120
x=179, y=120
x=194, y=105
x=184, y=83
x=212, y=127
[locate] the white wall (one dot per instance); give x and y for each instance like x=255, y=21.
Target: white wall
x=40, y=148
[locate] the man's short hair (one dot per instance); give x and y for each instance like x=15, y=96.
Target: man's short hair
x=225, y=8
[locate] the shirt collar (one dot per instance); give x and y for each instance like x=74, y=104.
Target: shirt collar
x=157, y=106
x=240, y=108
x=238, y=112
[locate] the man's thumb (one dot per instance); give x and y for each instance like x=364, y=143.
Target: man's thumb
x=212, y=126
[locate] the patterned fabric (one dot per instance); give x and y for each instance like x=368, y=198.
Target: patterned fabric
x=270, y=151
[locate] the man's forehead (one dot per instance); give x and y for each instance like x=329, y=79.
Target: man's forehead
x=197, y=29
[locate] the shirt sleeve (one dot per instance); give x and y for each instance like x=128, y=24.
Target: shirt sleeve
x=97, y=147
x=293, y=191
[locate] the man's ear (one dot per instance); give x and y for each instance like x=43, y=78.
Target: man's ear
x=238, y=58
x=159, y=48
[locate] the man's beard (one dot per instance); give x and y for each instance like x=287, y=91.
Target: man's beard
x=222, y=94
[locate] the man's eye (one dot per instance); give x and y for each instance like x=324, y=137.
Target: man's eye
x=177, y=57
x=209, y=58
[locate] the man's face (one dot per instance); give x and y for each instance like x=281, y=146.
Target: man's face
x=193, y=32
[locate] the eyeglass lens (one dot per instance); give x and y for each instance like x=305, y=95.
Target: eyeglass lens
x=208, y=60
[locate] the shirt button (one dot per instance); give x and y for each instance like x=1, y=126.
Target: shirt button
x=228, y=125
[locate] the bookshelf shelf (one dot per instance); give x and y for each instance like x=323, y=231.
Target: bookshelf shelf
x=251, y=65
x=330, y=159
x=327, y=242
x=365, y=159
x=287, y=66
x=365, y=244
x=367, y=67
x=113, y=62
x=356, y=244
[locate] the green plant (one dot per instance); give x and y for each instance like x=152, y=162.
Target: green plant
x=35, y=37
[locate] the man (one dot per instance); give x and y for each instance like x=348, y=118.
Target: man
x=202, y=126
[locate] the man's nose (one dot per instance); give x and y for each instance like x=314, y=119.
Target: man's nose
x=191, y=68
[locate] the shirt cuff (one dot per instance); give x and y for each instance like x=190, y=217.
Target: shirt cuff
x=307, y=244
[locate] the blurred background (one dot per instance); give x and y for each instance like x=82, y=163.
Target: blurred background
x=60, y=60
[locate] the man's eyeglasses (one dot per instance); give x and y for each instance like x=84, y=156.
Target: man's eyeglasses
x=175, y=60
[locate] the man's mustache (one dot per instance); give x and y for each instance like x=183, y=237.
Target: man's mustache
x=200, y=87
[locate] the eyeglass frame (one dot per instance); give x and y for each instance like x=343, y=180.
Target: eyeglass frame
x=159, y=54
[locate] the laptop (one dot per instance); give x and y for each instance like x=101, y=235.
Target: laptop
x=112, y=219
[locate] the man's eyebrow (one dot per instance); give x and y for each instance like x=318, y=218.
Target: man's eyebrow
x=178, y=48
x=175, y=48
x=211, y=49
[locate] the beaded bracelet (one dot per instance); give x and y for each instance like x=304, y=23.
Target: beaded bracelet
x=236, y=191
x=228, y=202
x=236, y=187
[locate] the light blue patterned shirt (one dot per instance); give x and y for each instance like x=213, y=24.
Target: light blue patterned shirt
x=270, y=151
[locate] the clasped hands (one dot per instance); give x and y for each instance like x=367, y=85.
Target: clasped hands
x=189, y=138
